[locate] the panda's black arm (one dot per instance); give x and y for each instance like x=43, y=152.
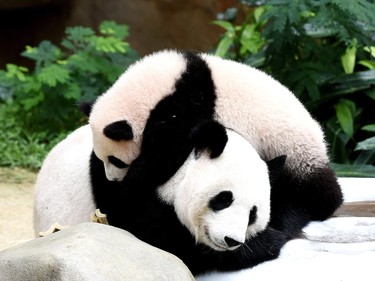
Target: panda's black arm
x=264, y=247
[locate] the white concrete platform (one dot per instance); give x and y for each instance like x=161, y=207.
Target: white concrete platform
x=339, y=249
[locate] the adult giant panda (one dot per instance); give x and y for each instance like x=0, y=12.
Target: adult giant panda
x=209, y=213
x=181, y=89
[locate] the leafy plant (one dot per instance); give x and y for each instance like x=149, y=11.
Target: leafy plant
x=324, y=52
x=40, y=103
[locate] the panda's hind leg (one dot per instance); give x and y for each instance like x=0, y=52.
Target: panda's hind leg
x=295, y=201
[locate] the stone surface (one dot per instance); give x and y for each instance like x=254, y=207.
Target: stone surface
x=90, y=251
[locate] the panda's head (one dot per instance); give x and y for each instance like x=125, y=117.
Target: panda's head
x=118, y=117
x=222, y=192
x=114, y=142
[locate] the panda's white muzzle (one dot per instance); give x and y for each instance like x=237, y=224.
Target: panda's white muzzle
x=113, y=173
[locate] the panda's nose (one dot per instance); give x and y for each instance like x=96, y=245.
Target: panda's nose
x=231, y=242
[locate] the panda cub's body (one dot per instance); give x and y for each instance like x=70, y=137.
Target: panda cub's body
x=158, y=101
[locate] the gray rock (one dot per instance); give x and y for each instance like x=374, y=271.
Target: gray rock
x=90, y=251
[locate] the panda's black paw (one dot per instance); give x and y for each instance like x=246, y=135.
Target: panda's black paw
x=267, y=244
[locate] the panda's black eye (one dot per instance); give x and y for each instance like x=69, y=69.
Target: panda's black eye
x=221, y=201
x=117, y=162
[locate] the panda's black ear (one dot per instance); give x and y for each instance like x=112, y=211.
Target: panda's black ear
x=276, y=167
x=209, y=135
x=86, y=107
x=119, y=130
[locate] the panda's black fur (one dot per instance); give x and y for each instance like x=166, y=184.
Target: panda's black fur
x=138, y=209
x=133, y=204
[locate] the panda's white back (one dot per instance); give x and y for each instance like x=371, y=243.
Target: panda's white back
x=267, y=114
x=63, y=191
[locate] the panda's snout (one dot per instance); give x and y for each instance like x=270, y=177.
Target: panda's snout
x=232, y=242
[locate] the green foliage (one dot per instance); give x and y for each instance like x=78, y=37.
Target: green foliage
x=39, y=104
x=324, y=51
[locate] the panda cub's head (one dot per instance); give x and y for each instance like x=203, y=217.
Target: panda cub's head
x=118, y=117
x=222, y=191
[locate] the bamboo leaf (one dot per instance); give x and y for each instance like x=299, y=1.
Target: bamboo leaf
x=365, y=157
x=367, y=144
x=371, y=50
x=345, y=117
x=223, y=46
x=348, y=59
x=224, y=24
x=369, y=128
x=367, y=63
x=347, y=170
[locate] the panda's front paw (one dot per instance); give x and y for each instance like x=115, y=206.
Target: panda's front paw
x=267, y=244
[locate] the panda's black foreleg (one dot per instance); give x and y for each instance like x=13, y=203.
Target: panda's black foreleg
x=296, y=201
x=263, y=247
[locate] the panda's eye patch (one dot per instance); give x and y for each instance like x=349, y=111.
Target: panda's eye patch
x=221, y=201
x=117, y=162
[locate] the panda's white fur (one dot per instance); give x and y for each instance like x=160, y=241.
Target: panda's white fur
x=131, y=98
x=199, y=180
x=248, y=101
x=63, y=190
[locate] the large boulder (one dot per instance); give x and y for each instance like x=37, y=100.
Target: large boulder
x=90, y=251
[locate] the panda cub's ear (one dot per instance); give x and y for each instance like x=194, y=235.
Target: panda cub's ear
x=86, y=107
x=119, y=130
x=209, y=135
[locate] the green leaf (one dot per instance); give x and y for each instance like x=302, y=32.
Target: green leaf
x=369, y=128
x=251, y=40
x=345, y=117
x=258, y=12
x=45, y=54
x=348, y=170
x=110, y=45
x=79, y=33
x=367, y=144
x=73, y=92
x=367, y=63
x=223, y=46
x=225, y=24
x=83, y=62
x=338, y=141
x=16, y=71
x=53, y=74
x=33, y=101
x=348, y=59
x=365, y=157
x=32, y=85
x=371, y=50
x=111, y=28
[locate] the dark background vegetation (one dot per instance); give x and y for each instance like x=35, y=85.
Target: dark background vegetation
x=57, y=53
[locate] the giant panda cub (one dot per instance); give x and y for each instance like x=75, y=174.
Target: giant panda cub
x=181, y=89
x=210, y=213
